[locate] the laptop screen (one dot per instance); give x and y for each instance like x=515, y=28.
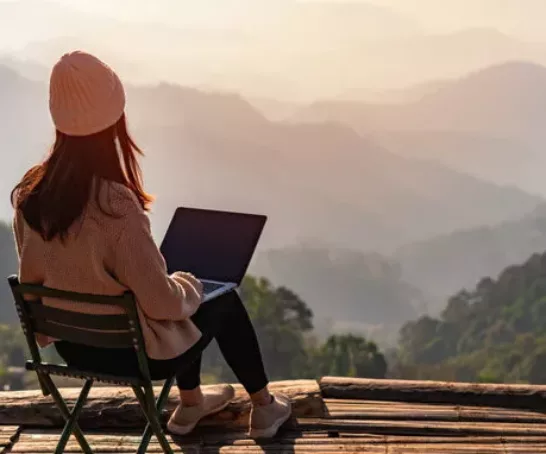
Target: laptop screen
x=215, y=245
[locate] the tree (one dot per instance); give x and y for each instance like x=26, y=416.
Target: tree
x=352, y=356
x=281, y=320
x=284, y=323
x=8, y=265
x=495, y=332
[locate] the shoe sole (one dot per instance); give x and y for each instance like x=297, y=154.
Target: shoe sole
x=270, y=432
x=179, y=429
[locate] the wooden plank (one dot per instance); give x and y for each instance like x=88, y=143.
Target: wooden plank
x=448, y=448
x=116, y=407
x=45, y=442
x=470, y=394
x=7, y=435
x=340, y=409
x=288, y=442
x=360, y=449
x=423, y=428
x=470, y=439
x=524, y=449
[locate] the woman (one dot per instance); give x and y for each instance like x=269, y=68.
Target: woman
x=80, y=225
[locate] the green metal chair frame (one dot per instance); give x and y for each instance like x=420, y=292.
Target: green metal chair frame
x=110, y=331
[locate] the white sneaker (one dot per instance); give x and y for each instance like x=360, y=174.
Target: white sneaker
x=184, y=419
x=265, y=421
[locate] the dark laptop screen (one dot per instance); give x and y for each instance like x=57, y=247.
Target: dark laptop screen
x=214, y=245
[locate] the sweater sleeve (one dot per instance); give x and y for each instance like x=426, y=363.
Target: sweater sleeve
x=140, y=267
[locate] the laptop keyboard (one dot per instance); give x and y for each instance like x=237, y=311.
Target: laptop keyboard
x=209, y=287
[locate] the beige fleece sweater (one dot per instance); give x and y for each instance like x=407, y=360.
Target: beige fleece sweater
x=108, y=255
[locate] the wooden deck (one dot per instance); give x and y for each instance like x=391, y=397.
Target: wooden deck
x=346, y=424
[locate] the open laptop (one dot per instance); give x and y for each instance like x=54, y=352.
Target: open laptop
x=215, y=246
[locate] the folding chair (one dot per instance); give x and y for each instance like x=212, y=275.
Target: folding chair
x=110, y=331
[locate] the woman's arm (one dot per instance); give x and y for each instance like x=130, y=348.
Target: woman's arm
x=140, y=267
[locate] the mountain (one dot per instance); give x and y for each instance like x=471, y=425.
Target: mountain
x=316, y=181
x=489, y=123
x=492, y=333
x=441, y=266
x=26, y=68
x=349, y=291
x=503, y=100
x=402, y=95
x=500, y=160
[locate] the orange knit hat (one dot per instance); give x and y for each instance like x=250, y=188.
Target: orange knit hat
x=85, y=95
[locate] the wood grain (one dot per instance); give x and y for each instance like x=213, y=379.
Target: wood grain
x=371, y=410
x=288, y=442
x=469, y=394
x=113, y=407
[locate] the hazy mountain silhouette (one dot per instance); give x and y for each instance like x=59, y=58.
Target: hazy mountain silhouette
x=314, y=180
x=444, y=265
x=343, y=285
x=501, y=160
x=489, y=123
x=504, y=100
x=404, y=95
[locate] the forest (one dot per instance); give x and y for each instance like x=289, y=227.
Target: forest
x=493, y=333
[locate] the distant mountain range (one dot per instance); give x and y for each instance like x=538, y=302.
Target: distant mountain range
x=489, y=123
x=353, y=290
x=319, y=181
x=444, y=265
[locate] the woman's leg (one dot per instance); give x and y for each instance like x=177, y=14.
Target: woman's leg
x=227, y=320
x=189, y=384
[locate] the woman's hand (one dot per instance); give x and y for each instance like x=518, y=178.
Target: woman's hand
x=196, y=283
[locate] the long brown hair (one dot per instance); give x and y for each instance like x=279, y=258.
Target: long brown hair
x=54, y=194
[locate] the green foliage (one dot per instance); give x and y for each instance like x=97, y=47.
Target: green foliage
x=284, y=326
x=351, y=356
x=8, y=265
x=495, y=333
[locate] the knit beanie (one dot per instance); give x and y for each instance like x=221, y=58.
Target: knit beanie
x=85, y=95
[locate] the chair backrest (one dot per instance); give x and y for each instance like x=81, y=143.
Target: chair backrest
x=105, y=331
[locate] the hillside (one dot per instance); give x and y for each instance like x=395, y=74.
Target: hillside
x=314, y=181
x=506, y=98
x=495, y=115
x=495, y=332
x=8, y=265
x=348, y=287
x=443, y=265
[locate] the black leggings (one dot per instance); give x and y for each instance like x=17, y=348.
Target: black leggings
x=224, y=319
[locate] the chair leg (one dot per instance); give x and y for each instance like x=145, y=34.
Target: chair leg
x=148, y=405
x=160, y=403
x=43, y=386
x=70, y=418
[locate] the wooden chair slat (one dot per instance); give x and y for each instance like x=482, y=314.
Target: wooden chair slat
x=39, y=311
x=66, y=371
x=40, y=291
x=102, y=339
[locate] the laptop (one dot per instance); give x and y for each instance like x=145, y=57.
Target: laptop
x=215, y=246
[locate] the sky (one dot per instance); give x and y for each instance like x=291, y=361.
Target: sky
x=523, y=18
x=282, y=49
